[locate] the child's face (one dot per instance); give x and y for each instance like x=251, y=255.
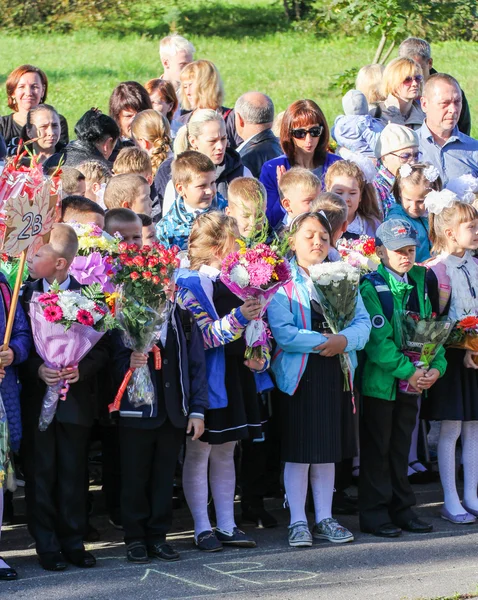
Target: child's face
x=400, y=261
x=142, y=202
x=246, y=213
x=149, y=235
x=45, y=263
x=465, y=235
x=199, y=193
x=413, y=199
x=130, y=232
x=298, y=201
x=347, y=188
x=311, y=243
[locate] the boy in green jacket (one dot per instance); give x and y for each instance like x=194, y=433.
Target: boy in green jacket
x=387, y=416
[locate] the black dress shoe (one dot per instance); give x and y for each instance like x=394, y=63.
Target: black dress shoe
x=7, y=573
x=80, y=558
x=52, y=561
x=417, y=526
x=387, y=530
x=136, y=552
x=163, y=551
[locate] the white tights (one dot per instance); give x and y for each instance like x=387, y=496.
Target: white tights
x=449, y=434
x=296, y=480
x=3, y=564
x=222, y=478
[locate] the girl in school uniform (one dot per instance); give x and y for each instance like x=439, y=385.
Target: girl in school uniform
x=453, y=400
x=234, y=413
x=317, y=413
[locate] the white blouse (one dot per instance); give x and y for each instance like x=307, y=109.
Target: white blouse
x=463, y=274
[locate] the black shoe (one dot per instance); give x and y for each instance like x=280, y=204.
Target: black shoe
x=80, y=558
x=163, y=551
x=417, y=526
x=258, y=516
x=52, y=561
x=7, y=573
x=208, y=542
x=387, y=530
x=136, y=552
x=236, y=538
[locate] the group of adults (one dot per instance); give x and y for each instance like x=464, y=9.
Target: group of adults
x=186, y=102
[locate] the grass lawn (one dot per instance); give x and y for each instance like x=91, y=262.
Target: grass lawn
x=84, y=67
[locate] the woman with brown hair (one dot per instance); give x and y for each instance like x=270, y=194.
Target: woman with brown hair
x=165, y=101
x=27, y=87
x=304, y=137
x=202, y=87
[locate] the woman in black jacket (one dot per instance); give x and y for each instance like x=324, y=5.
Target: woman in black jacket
x=27, y=87
x=96, y=135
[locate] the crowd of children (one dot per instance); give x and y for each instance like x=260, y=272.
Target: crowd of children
x=207, y=396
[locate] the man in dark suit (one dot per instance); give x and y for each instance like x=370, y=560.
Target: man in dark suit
x=254, y=114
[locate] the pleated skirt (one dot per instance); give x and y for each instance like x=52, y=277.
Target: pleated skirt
x=318, y=420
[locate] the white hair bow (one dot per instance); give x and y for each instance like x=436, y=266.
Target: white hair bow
x=464, y=187
x=435, y=202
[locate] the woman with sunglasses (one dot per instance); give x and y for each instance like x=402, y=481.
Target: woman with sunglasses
x=304, y=137
x=402, y=85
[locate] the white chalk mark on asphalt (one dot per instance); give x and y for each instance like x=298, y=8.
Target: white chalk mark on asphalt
x=181, y=579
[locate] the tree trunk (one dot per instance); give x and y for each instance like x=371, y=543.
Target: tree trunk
x=380, y=48
x=387, y=54
x=297, y=9
x=286, y=10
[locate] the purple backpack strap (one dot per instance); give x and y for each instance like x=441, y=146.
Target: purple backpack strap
x=444, y=286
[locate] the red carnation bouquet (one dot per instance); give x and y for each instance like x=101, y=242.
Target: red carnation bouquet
x=66, y=325
x=145, y=286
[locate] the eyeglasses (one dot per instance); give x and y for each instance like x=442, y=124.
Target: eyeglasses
x=406, y=156
x=409, y=80
x=301, y=134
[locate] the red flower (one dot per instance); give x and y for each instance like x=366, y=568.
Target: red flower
x=122, y=246
x=156, y=280
x=123, y=257
x=53, y=313
x=139, y=261
x=153, y=261
x=166, y=281
x=147, y=274
x=129, y=262
x=174, y=250
x=85, y=317
x=133, y=248
x=146, y=249
x=468, y=323
x=163, y=271
x=134, y=275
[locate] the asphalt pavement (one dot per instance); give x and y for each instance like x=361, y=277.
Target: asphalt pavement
x=412, y=567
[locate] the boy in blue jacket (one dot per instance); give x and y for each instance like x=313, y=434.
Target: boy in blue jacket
x=151, y=436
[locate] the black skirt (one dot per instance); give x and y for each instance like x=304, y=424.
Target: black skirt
x=454, y=397
x=241, y=418
x=318, y=420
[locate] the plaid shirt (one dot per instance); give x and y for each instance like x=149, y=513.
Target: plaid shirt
x=383, y=183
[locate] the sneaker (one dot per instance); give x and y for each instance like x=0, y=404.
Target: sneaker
x=208, y=542
x=299, y=535
x=331, y=530
x=236, y=538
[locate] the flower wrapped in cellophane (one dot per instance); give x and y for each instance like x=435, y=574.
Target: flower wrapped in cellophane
x=144, y=280
x=256, y=272
x=421, y=340
x=94, y=262
x=336, y=285
x=66, y=325
x=359, y=253
x=465, y=335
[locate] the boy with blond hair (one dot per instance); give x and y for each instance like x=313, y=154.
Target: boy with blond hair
x=128, y=191
x=134, y=160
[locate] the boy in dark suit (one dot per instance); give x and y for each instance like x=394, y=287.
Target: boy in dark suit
x=56, y=459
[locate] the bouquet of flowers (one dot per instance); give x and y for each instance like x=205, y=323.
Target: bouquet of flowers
x=142, y=306
x=256, y=272
x=96, y=249
x=421, y=340
x=465, y=335
x=66, y=325
x=336, y=285
x=359, y=253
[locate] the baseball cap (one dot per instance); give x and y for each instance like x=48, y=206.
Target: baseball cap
x=395, y=234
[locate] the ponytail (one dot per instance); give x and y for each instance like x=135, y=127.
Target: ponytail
x=181, y=141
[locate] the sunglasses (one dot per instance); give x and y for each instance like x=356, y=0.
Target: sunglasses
x=301, y=134
x=409, y=80
x=406, y=156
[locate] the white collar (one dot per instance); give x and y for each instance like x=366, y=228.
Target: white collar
x=241, y=146
x=287, y=220
x=63, y=286
x=209, y=271
x=402, y=278
x=191, y=210
x=457, y=261
x=357, y=225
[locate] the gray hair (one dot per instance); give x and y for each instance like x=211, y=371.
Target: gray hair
x=173, y=44
x=413, y=46
x=253, y=113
